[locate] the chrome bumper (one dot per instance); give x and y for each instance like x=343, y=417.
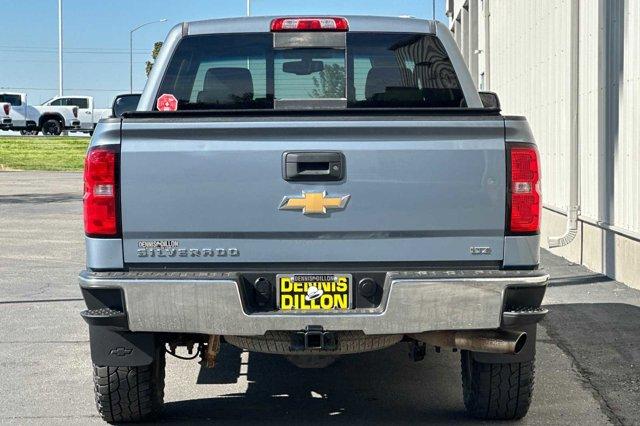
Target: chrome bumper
x=413, y=302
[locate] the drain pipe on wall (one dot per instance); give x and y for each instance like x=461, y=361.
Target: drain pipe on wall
x=574, y=152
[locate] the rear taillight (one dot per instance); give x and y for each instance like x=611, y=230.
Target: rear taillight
x=100, y=192
x=523, y=195
x=7, y=109
x=309, y=24
x=75, y=112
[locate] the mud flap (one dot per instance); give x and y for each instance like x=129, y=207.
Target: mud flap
x=121, y=348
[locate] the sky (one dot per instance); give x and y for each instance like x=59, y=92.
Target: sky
x=96, y=37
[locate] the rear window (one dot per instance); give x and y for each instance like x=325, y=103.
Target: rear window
x=82, y=103
x=14, y=100
x=376, y=70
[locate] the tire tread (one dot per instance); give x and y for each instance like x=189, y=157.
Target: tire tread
x=494, y=391
x=129, y=394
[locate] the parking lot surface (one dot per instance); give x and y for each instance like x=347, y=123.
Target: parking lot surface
x=588, y=362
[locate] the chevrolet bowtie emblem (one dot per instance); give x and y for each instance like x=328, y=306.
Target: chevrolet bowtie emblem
x=314, y=202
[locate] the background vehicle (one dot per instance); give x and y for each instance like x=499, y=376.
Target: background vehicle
x=125, y=103
x=88, y=115
x=5, y=119
x=50, y=120
x=312, y=187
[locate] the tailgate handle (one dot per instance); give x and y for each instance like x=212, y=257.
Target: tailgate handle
x=313, y=166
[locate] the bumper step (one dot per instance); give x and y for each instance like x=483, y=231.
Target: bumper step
x=523, y=316
x=105, y=317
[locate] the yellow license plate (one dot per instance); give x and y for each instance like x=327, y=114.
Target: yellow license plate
x=322, y=292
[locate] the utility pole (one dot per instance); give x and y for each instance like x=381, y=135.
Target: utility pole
x=60, y=44
x=433, y=5
x=248, y=14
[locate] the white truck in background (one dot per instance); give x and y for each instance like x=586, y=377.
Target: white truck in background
x=5, y=119
x=50, y=120
x=87, y=113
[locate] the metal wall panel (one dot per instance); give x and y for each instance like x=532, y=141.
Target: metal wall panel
x=529, y=50
x=588, y=108
x=530, y=71
x=627, y=149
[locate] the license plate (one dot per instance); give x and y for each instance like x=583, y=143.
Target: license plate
x=322, y=292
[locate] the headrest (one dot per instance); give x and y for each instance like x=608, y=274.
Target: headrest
x=227, y=85
x=380, y=78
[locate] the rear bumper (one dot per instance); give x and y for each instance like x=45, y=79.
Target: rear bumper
x=413, y=302
x=5, y=123
x=74, y=124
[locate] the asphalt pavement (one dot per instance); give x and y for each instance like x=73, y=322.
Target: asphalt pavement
x=587, y=371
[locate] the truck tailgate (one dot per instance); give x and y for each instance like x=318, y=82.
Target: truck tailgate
x=209, y=191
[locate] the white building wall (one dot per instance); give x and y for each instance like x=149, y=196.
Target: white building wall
x=627, y=157
x=481, y=81
x=473, y=41
x=530, y=73
x=588, y=98
x=525, y=54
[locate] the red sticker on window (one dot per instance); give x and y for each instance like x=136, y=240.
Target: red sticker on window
x=167, y=102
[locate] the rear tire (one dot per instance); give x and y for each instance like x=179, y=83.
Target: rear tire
x=495, y=391
x=52, y=127
x=130, y=394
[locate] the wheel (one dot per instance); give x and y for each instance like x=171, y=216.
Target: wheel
x=130, y=394
x=52, y=127
x=495, y=391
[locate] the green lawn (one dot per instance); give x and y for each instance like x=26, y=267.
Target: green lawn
x=42, y=153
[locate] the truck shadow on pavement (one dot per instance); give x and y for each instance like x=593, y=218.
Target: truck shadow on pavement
x=603, y=341
x=39, y=198
x=378, y=387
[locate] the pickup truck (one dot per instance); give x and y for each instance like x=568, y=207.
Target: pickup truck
x=5, y=118
x=87, y=113
x=312, y=187
x=50, y=120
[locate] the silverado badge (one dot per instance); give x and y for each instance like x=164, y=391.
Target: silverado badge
x=314, y=202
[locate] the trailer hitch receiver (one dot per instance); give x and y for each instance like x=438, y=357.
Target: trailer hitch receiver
x=313, y=337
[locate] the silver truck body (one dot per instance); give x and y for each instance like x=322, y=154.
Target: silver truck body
x=427, y=191
x=216, y=210
x=209, y=210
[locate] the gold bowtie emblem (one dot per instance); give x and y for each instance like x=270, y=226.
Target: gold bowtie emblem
x=314, y=202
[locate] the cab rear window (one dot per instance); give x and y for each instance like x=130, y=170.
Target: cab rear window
x=14, y=100
x=376, y=70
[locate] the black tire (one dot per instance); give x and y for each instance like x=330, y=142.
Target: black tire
x=495, y=391
x=52, y=127
x=130, y=394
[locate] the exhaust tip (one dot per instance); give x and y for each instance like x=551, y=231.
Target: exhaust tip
x=520, y=342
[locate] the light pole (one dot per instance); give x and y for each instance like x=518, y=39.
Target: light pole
x=60, y=70
x=131, y=49
x=248, y=7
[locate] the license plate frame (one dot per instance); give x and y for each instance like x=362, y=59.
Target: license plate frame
x=337, y=276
